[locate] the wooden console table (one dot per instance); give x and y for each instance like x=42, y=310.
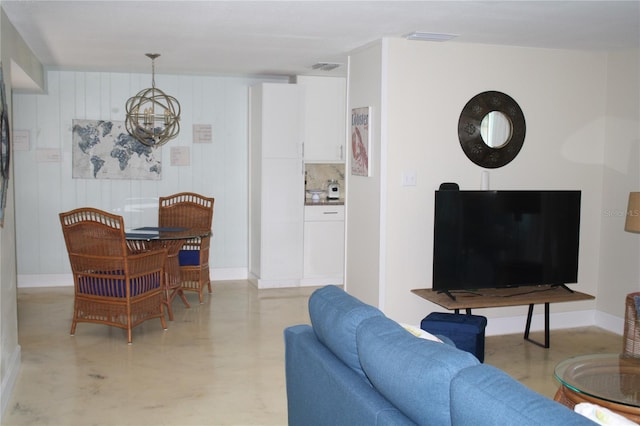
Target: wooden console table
x=501, y=297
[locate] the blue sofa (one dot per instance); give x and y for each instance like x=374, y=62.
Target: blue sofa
x=355, y=366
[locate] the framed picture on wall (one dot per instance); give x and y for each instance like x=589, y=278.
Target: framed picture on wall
x=360, y=141
x=103, y=149
x=5, y=149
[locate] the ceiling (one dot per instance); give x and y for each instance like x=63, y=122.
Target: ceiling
x=288, y=37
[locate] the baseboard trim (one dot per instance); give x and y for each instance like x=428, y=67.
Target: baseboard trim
x=558, y=321
x=609, y=322
x=66, y=280
x=227, y=274
x=262, y=284
x=45, y=280
x=9, y=380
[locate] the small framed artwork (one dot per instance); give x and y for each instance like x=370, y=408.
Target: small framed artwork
x=360, y=141
x=202, y=133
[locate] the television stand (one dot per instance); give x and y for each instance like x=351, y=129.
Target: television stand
x=511, y=296
x=563, y=286
x=448, y=294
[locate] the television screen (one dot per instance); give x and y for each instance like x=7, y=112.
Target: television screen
x=492, y=239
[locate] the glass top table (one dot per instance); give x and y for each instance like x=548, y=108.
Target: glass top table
x=611, y=380
x=150, y=233
x=172, y=239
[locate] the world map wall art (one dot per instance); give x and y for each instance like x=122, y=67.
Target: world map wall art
x=104, y=150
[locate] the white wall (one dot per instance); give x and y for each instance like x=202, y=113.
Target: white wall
x=366, y=194
x=563, y=95
x=620, y=251
x=44, y=189
x=16, y=57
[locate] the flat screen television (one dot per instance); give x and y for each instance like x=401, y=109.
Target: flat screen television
x=494, y=239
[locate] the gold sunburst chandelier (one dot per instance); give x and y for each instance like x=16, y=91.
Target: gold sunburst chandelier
x=153, y=117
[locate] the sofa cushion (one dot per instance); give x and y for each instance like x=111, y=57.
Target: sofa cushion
x=322, y=390
x=414, y=374
x=484, y=395
x=113, y=284
x=335, y=315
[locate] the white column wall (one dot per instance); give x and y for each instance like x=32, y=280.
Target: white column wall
x=365, y=194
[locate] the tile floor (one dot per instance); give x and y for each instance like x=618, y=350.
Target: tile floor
x=219, y=363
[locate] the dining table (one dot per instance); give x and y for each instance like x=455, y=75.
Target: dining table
x=171, y=239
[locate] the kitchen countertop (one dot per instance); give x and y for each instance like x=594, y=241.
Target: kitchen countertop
x=324, y=202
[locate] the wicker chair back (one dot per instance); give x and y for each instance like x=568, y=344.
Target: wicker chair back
x=112, y=285
x=190, y=210
x=631, y=336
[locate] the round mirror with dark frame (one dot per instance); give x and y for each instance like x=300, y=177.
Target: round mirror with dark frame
x=5, y=145
x=491, y=129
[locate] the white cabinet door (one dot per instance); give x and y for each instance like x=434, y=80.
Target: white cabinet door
x=325, y=118
x=276, y=214
x=282, y=129
x=282, y=218
x=324, y=245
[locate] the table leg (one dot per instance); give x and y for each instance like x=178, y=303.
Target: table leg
x=172, y=282
x=172, y=276
x=546, y=326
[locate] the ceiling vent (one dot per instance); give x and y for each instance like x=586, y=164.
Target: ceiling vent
x=325, y=66
x=422, y=36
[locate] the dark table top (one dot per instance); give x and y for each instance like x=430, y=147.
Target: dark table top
x=149, y=233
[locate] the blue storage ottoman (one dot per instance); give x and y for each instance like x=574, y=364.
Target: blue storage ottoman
x=466, y=331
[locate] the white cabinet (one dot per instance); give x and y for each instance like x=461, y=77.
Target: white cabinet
x=276, y=185
x=325, y=119
x=323, y=245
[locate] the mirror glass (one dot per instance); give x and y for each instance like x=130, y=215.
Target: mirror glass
x=495, y=129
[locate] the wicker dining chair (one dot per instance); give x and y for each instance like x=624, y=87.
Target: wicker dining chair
x=631, y=337
x=113, y=286
x=190, y=210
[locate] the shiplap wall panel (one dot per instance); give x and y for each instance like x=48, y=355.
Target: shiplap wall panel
x=218, y=169
x=183, y=90
x=26, y=189
x=235, y=126
x=219, y=150
x=49, y=182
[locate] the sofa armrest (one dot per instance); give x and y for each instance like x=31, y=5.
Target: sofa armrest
x=321, y=390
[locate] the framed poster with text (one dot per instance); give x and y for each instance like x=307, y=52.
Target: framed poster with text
x=360, y=141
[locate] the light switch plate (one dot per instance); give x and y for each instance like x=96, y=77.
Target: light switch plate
x=409, y=178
